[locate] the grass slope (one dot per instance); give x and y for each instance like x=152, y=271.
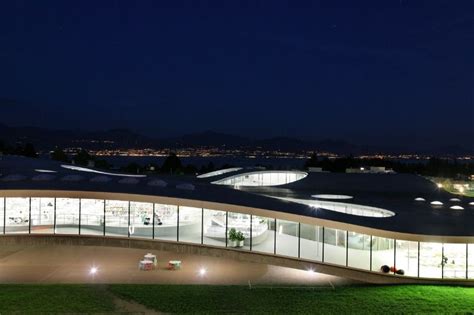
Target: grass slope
x=35, y=299
x=353, y=299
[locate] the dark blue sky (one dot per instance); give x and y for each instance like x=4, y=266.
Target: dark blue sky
x=373, y=72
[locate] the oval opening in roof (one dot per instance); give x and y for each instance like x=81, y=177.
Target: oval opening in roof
x=332, y=197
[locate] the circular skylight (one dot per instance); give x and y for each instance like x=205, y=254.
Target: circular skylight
x=332, y=197
x=455, y=199
x=456, y=208
x=44, y=171
x=420, y=199
x=436, y=203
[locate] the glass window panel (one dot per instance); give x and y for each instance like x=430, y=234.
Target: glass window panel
x=358, y=250
x=17, y=215
x=42, y=215
x=116, y=218
x=240, y=222
x=92, y=217
x=141, y=219
x=382, y=252
x=287, y=238
x=335, y=246
x=430, y=260
x=407, y=257
x=470, y=267
x=454, y=261
x=2, y=213
x=214, y=227
x=166, y=222
x=311, y=237
x=190, y=224
x=67, y=216
x=263, y=234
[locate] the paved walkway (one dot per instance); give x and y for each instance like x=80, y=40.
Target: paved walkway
x=72, y=264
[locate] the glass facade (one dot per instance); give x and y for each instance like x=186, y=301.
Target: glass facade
x=67, y=216
x=407, y=257
x=287, y=238
x=141, y=219
x=431, y=260
x=335, y=248
x=263, y=234
x=166, y=222
x=42, y=215
x=358, y=249
x=311, y=242
x=190, y=224
x=214, y=227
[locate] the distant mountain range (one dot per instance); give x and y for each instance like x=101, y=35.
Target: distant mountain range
x=46, y=139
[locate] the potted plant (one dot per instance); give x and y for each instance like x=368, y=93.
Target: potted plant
x=233, y=237
x=240, y=239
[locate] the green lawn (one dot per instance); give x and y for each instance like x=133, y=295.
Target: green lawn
x=82, y=299
x=353, y=299
x=34, y=299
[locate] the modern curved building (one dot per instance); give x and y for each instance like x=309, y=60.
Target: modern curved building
x=343, y=224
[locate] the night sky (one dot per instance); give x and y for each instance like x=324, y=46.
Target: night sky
x=370, y=72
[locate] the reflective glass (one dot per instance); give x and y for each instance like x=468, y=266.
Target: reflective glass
x=407, y=257
x=42, y=215
x=116, y=218
x=287, y=238
x=311, y=246
x=454, y=261
x=238, y=228
x=358, y=250
x=166, y=222
x=141, y=219
x=190, y=223
x=430, y=260
x=92, y=217
x=335, y=246
x=263, y=234
x=382, y=252
x=17, y=215
x=67, y=216
x=214, y=227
